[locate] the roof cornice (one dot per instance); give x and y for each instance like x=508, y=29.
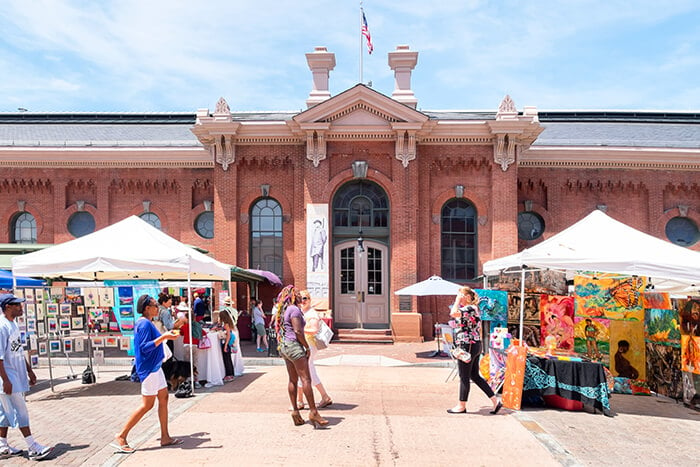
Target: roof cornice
x=610, y=157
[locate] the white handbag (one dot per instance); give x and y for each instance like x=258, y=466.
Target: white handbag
x=324, y=335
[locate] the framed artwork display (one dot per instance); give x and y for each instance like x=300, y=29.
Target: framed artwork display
x=111, y=341
x=125, y=343
x=65, y=309
x=68, y=345
x=42, y=347
x=98, y=341
x=78, y=344
x=51, y=309
x=54, y=346
x=64, y=324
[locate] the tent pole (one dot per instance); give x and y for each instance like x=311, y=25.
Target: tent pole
x=189, y=328
x=522, y=304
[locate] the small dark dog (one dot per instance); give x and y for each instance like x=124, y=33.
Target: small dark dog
x=176, y=372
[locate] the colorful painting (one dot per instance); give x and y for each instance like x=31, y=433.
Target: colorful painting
x=73, y=295
x=493, y=304
x=661, y=326
x=127, y=325
x=68, y=345
x=689, y=311
x=31, y=325
x=106, y=297
x=40, y=313
x=627, y=350
x=98, y=341
x=690, y=354
x=125, y=343
x=557, y=319
x=64, y=324
x=664, y=374
x=531, y=308
x=52, y=324
x=51, y=309
x=126, y=312
x=531, y=333
x=609, y=297
x=111, y=341
x=592, y=338
x=65, y=309
x=42, y=348
x=91, y=296
x=497, y=368
x=657, y=300
x=126, y=296
x=77, y=323
x=54, y=346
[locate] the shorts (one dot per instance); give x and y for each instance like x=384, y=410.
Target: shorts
x=14, y=410
x=153, y=383
x=260, y=329
x=292, y=350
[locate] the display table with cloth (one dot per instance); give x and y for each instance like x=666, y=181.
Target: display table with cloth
x=573, y=380
x=211, y=361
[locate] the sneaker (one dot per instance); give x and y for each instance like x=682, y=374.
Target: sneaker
x=259, y=349
x=228, y=379
x=197, y=385
x=8, y=451
x=38, y=452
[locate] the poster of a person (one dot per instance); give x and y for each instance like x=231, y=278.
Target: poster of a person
x=319, y=237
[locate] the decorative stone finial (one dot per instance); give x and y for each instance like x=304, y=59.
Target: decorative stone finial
x=222, y=107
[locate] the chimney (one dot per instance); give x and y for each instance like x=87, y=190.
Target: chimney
x=403, y=61
x=321, y=62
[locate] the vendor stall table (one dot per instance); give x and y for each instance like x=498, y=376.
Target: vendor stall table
x=578, y=381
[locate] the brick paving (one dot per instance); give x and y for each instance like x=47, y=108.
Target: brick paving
x=382, y=416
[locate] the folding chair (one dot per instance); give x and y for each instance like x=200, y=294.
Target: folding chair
x=447, y=340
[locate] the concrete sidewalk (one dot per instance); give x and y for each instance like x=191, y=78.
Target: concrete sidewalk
x=389, y=409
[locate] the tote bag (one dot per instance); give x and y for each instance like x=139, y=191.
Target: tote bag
x=324, y=335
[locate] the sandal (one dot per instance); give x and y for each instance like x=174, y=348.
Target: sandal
x=325, y=403
x=123, y=448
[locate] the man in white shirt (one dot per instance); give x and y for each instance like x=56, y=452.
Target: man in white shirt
x=16, y=376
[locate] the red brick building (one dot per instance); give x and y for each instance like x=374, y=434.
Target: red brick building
x=422, y=192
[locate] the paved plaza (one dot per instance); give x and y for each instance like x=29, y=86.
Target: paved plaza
x=389, y=409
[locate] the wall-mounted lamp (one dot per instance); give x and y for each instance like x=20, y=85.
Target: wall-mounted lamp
x=265, y=190
x=459, y=191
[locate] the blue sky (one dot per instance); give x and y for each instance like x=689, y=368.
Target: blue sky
x=161, y=56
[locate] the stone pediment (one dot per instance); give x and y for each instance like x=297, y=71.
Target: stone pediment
x=360, y=106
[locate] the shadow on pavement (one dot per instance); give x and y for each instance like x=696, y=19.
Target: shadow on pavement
x=62, y=448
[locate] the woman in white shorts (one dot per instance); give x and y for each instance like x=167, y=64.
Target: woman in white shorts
x=148, y=350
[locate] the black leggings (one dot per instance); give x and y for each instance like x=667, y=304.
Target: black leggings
x=228, y=363
x=471, y=370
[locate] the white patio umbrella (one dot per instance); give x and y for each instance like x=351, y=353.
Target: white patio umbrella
x=434, y=285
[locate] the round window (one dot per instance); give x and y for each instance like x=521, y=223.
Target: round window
x=152, y=219
x=682, y=231
x=81, y=223
x=530, y=225
x=204, y=224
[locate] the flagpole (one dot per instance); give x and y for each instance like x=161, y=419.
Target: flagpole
x=360, y=49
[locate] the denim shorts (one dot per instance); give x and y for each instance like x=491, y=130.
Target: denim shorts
x=292, y=350
x=14, y=410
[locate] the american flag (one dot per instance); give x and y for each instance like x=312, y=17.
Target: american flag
x=365, y=32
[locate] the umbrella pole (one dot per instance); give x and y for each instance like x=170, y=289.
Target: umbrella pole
x=189, y=329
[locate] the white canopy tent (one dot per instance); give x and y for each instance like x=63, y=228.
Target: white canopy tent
x=599, y=243
x=129, y=249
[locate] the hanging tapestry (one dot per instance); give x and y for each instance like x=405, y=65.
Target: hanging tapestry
x=689, y=311
x=592, y=338
x=690, y=354
x=691, y=389
x=557, y=319
x=662, y=327
x=627, y=350
x=657, y=300
x=531, y=308
x=493, y=304
x=609, y=296
x=663, y=365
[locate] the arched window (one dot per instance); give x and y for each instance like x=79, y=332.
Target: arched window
x=266, y=249
x=458, y=240
x=204, y=224
x=81, y=223
x=23, y=228
x=152, y=219
x=360, y=204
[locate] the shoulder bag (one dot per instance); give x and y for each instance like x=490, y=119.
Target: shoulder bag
x=324, y=335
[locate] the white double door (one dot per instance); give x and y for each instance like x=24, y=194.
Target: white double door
x=361, y=297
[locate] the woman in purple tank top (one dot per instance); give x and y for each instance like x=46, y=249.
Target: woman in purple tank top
x=292, y=346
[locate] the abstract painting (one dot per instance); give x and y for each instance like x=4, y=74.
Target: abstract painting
x=557, y=319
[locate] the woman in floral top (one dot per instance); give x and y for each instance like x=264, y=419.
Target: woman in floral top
x=466, y=313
